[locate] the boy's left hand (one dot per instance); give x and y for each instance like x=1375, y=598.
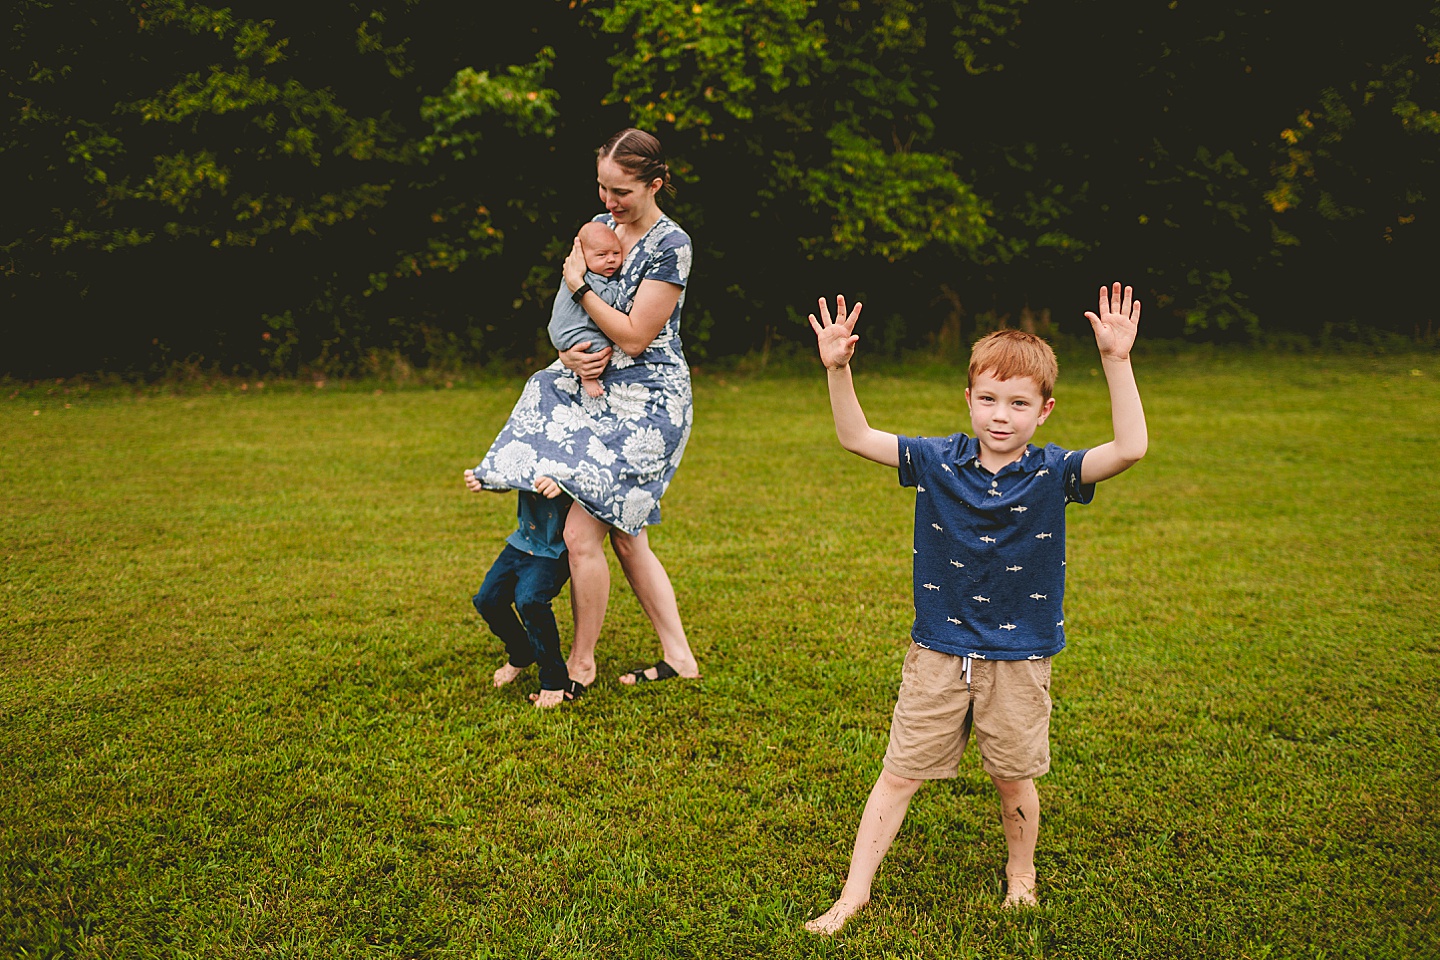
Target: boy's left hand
x=547, y=488
x=1116, y=325
x=471, y=483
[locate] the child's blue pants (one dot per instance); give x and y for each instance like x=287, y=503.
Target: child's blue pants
x=521, y=583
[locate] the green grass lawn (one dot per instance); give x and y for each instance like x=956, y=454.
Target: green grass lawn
x=245, y=705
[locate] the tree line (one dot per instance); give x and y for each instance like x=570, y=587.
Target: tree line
x=330, y=186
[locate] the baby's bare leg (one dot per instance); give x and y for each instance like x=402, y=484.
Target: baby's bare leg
x=884, y=812
x=1020, y=816
x=593, y=388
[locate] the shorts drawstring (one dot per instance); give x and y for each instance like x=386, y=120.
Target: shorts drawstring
x=965, y=663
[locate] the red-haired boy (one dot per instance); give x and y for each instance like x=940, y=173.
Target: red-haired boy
x=989, y=567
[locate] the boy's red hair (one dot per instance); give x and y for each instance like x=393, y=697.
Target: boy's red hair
x=1014, y=353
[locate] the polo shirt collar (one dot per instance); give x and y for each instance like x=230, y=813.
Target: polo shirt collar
x=1029, y=462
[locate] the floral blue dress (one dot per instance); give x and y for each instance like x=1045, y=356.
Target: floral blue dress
x=615, y=454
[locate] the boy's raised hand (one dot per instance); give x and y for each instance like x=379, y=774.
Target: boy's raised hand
x=1116, y=324
x=836, y=338
x=472, y=482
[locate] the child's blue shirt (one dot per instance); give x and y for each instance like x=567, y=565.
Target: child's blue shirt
x=989, y=548
x=540, y=529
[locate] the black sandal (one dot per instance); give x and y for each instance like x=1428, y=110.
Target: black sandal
x=663, y=671
x=574, y=689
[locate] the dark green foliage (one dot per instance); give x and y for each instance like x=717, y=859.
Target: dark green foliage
x=345, y=187
x=213, y=187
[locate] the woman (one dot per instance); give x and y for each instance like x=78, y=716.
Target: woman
x=615, y=454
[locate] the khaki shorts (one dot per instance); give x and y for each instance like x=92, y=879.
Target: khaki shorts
x=1006, y=703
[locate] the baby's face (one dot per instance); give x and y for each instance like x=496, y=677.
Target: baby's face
x=602, y=254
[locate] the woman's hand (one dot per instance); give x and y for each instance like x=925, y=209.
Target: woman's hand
x=574, y=268
x=587, y=366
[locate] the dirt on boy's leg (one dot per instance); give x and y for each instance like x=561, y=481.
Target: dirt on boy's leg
x=1020, y=818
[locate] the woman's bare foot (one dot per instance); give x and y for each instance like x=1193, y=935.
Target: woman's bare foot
x=546, y=699
x=829, y=923
x=686, y=671
x=1020, y=890
x=507, y=674
x=581, y=671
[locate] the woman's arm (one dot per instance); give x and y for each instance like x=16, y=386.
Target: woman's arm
x=632, y=332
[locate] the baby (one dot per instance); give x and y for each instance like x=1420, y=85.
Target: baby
x=569, y=323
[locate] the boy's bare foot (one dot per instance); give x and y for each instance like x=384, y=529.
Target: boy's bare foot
x=593, y=388
x=546, y=699
x=1020, y=891
x=829, y=923
x=507, y=674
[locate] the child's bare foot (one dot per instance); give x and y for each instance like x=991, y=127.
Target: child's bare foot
x=546, y=699
x=593, y=388
x=1020, y=890
x=829, y=923
x=507, y=674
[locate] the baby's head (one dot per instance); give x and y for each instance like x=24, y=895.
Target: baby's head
x=1007, y=354
x=601, y=248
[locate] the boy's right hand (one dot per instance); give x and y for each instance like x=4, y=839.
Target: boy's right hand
x=547, y=487
x=471, y=483
x=835, y=338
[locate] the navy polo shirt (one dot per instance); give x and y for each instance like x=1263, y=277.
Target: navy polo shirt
x=990, y=548
x=540, y=525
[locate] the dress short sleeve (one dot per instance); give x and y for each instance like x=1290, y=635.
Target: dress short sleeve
x=671, y=259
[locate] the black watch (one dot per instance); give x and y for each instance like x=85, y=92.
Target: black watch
x=580, y=292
